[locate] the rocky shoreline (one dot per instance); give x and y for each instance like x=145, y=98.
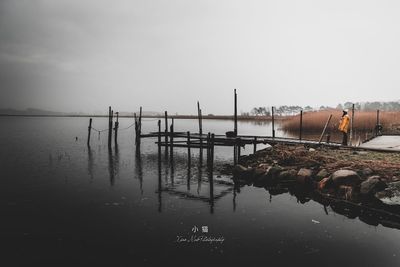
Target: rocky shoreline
x=359, y=179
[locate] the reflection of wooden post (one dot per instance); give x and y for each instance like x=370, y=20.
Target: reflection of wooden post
x=89, y=131
x=326, y=125
x=301, y=124
x=116, y=129
x=171, y=140
x=188, y=147
x=159, y=139
x=109, y=126
x=235, y=114
x=200, y=118
x=166, y=133
x=273, y=123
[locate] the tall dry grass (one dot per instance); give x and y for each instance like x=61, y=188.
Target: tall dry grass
x=314, y=122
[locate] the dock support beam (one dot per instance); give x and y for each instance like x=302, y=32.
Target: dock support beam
x=301, y=125
x=273, y=122
x=235, y=114
x=116, y=129
x=89, y=131
x=166, y=133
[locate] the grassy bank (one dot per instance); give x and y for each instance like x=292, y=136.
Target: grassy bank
x=364, y=121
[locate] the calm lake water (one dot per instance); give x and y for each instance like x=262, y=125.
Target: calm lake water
x=63, y=204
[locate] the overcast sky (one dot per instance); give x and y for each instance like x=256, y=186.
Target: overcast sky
x=80, y=55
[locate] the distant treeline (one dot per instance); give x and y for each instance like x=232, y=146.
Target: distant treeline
x=372, y=106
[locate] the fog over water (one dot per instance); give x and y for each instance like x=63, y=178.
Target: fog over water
x=73, y=56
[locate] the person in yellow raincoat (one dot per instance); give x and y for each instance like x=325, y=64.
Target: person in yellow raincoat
x=344, y=126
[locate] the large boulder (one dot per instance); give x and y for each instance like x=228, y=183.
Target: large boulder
x=243, y=174
x=345, y=177
x=372, y=185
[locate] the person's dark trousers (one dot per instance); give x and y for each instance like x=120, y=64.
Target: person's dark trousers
x=344, y=139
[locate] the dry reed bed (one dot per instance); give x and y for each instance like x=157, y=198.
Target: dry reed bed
x=363, y=120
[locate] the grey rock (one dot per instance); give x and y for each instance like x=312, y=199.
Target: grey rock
x=287, y=175
x=303, y=172
x=372, y=185
x=345, y=177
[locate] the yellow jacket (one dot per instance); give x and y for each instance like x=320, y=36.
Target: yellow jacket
x=344, y=123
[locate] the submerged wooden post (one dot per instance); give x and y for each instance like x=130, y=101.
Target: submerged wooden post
x=234, y=153
x=323, y=131
x=235, y=114
x=212, y=151
x=208, y=149
x=140, y=126
x=188, y=148
x=200, y=118
x=273, y=123
x=172, y=139
x=109, y=126
x=301, y=125
x=255, y=145
x=116, y=129
x=159, y=139
x=166, y=133
x=89, y=131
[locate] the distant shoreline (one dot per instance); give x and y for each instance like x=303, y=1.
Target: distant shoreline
x=189, y=117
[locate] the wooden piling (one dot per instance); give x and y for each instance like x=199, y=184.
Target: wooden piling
x=166, y=133
x=171, y=140
x=255, y=145
x=140, y=126
x=200, y=118
x=159, y=139
x=116, y=129
x=89, y=131
x=323, y=131
x=109, y=126
x=273, y=122
x=301, y=125
x=188, y=148
x=235, y=114
x=212, y=150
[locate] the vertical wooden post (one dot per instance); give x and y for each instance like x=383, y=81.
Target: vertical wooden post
x=116, y=129
x=255, y=145
x=199, y=116
x=140, y=126
x=301, y=125
x=166, y=133
x=273, y=123
x=351, y=125
x=235, y=113
x=136, y=128
x=109, y=126
x=171, y=139
x=188, y=149
x=159, y=139
x=89, y=131
x=323, y=131
x=212, y=150
x=208, y=149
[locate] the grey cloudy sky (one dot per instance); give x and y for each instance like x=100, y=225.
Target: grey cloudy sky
x=75, y=55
